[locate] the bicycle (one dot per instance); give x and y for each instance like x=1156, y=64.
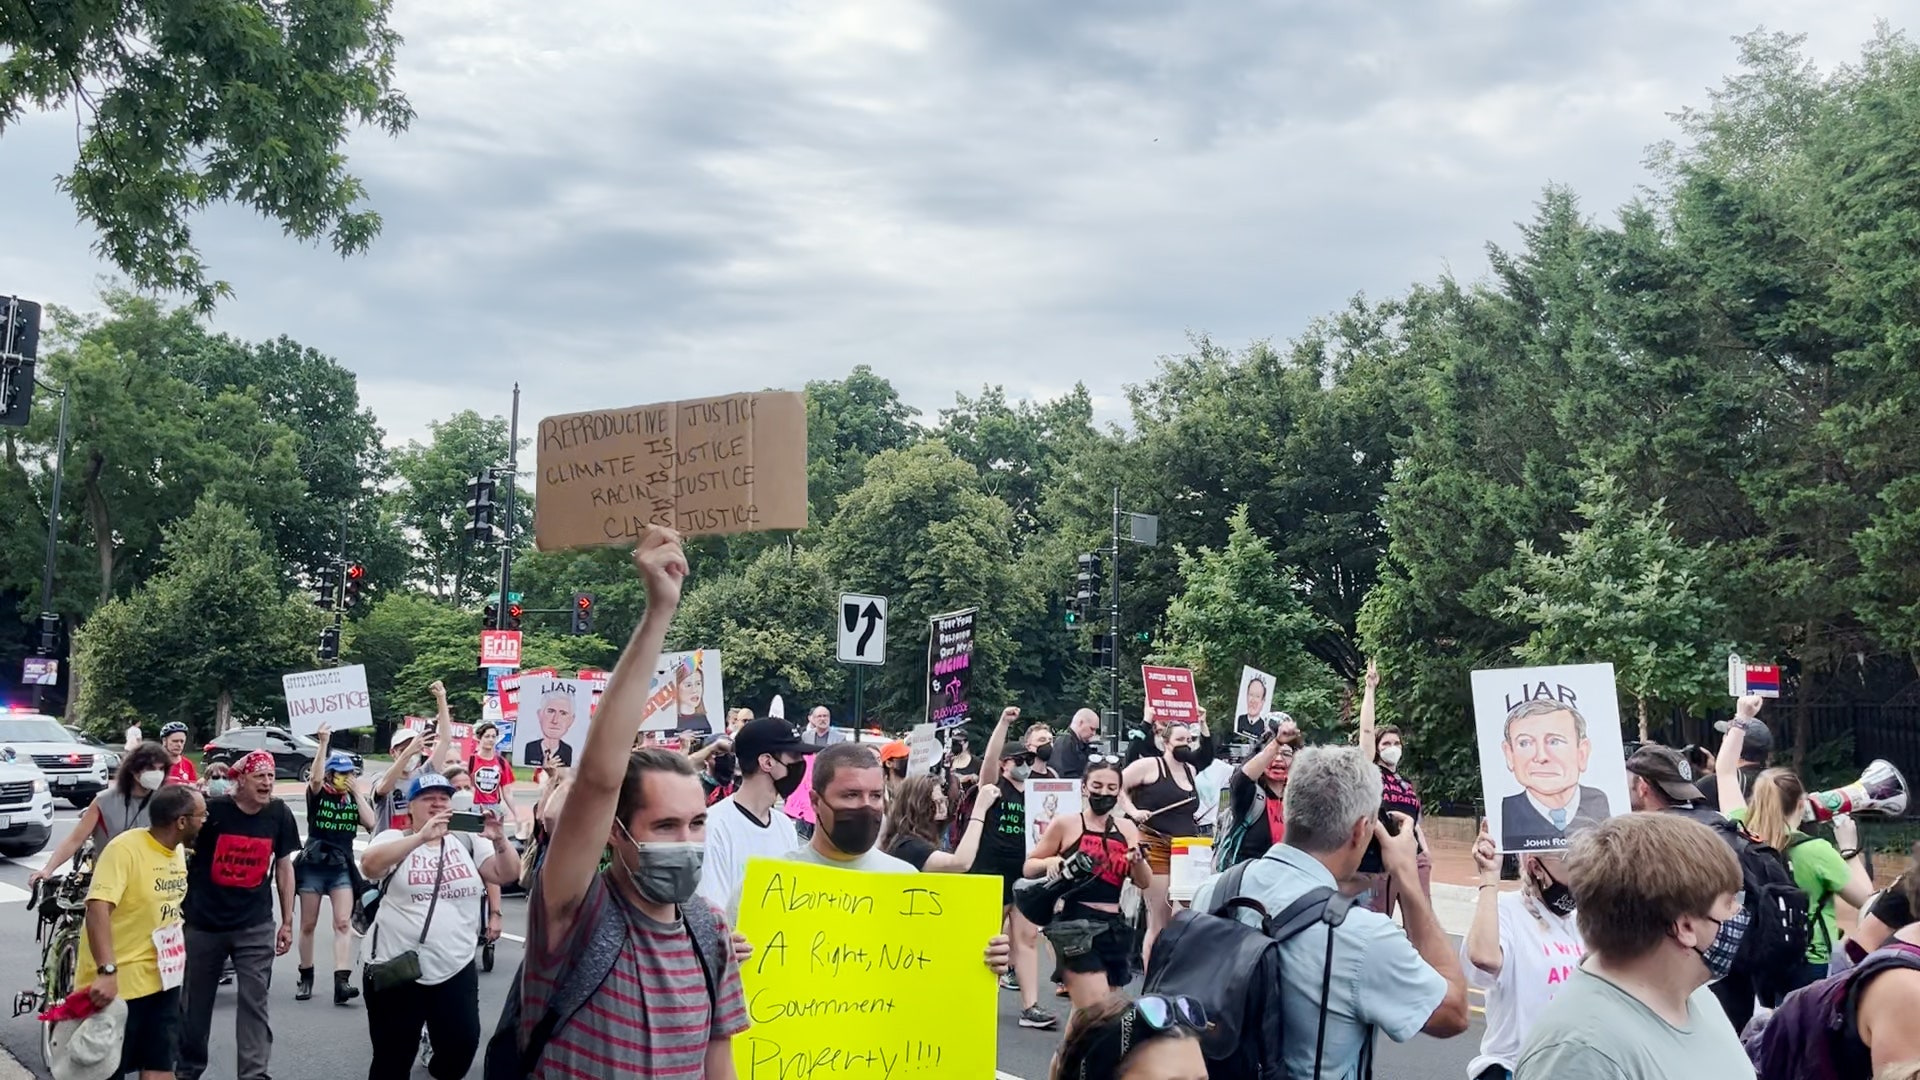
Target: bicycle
x=59, y=905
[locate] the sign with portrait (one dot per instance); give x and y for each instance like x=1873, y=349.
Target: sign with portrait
x=1253, y=708
x=686, y=695
x=1551, y=757
x=557, y=713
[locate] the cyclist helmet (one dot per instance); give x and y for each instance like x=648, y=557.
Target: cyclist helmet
x=174, y=728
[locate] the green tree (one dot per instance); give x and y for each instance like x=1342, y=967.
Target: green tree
x=395, y=630
x=431, y=502
x=181, y=107
x=921, y=532
x=1623, y=590
x=205, y=640
x=1017, y=447
x=849, y=421
x=773, y=625
x=1239, y=608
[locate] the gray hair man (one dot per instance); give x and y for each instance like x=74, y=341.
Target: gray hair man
x=819, y=733
x=1070, y=755
x=1403, y=983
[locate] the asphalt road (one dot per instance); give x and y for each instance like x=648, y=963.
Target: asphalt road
x=316, y=1038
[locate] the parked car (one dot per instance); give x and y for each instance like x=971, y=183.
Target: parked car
x=292, y=754
x=73, y=770
x=112, y=753
x=26, y=807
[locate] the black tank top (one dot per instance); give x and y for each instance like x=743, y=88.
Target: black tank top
x=1163, y=793
x=1109, y=854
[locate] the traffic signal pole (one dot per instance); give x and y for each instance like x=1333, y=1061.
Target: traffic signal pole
x=513, y=481
x=1113, y=626
x=47, y=614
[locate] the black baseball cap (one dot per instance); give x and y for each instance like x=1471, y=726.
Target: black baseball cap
x=1666, y=769
x=1759, y=741
x=768, y=735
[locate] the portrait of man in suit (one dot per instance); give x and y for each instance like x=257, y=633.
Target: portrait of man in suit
x=556, y=717
x=1546, y=749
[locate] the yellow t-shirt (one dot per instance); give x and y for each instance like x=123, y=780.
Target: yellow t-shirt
x=145, y=883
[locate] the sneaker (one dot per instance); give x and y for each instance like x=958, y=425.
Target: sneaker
x=1010, y=981
x=1037, y=1017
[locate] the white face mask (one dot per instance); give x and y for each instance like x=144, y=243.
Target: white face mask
x=462, y=801
x=152, y=779
x=1390, y=755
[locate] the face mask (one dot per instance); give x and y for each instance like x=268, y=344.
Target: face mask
x=219, y=787
x=1558, y=896
x=667, y=872
x=1102, y=804
x=1044, y=751
x=855, y=831
x=1021, y=772
x=1719, y=961
x=790, y=783
x=1183, y=754
x=1391, y=756
x=959, y=748
x=152, y=779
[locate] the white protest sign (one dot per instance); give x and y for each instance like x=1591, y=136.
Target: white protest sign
x=1049, y=798
x=1551, y=756
x=557, y=713
x=923, y=749
x=336, y=697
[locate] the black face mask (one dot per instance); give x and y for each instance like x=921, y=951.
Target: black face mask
x=1102, y=804
x=1183, y=754
x=1044, y=751
x=854, y=831
x=959, y=748
x=786, y=785
x=1558, y=897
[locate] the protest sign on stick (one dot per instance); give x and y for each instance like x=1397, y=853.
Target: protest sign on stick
x=1551, y=757
x=1170, y=694
x=950, y=667
x=336, y=697
x=729, y=464
x=1252, y=710
x=861, y=974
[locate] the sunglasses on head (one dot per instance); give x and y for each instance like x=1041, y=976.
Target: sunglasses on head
x=1102, y=759
x=1161, y=1014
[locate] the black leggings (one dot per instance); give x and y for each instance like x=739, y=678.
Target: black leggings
x=450, y=1011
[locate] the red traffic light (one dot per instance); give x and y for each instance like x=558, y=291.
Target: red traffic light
x=513, y=611
x=356, y=571
x=583, y=602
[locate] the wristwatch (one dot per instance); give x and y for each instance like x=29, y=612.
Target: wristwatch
x=108, y=969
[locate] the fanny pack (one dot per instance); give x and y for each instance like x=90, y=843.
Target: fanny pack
x=405, y=968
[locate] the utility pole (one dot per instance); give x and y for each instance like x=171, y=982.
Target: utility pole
x=1113, y=626
x=49, y=617
x=513, y=482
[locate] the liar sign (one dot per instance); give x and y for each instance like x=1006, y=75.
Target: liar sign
x=499, y=648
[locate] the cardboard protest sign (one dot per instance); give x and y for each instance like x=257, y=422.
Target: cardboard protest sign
x=1551, y=757
x=866, y=975
x=923, y=749
x=1048, y=799
x=1170, y=694
x=736, y=463
x=336, y=697
x=1252, y=708
x=562, y=711
x=950, y=667
x=685, y=694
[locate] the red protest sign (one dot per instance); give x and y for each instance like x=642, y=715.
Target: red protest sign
x=499, y=648
x=1170, y=694
x=510, y=690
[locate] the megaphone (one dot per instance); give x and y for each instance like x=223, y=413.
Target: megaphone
x=1039, y=898
x=1881, y=790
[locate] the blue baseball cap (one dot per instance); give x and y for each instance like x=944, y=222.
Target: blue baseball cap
x=339, y=761
x=428, y=781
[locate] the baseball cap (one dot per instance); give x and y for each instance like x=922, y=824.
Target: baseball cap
x=339, y=761
x=428, y=781
x=1759, y=740
x=1666, y=769
x=894, y=751
x=401, y=735
x=768, y=735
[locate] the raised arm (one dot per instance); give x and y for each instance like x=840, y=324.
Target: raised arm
x=318, y=774
x=960, y=859
x=990, y=761
x=1726, y=766
x=442, y=750
x=1483, y=937
x=1367, y=746
x=586, y=817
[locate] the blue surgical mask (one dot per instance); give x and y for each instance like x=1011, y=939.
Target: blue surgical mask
x=219, y=787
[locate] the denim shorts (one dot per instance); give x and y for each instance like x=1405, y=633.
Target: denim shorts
x=309, y=878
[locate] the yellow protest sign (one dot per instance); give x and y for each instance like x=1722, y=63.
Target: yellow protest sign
x=858, y=975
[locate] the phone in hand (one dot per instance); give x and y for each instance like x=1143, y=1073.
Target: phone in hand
x=467, y=821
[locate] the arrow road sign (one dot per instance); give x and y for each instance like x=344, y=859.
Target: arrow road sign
x=863, y=629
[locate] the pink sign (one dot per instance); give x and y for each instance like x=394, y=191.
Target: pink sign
x=1170, y=694
x=499, y=648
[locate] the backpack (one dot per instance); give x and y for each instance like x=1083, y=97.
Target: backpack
x=580, y=979
x=1779, y=927
x=1233, y=970
x=1814, y=1034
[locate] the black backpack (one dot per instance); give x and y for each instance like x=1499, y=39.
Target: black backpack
x=506, y=1059
x=1779, y=928
x=1233, y=970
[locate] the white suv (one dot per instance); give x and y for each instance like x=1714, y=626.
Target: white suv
x=74, y=771
x=26, y=809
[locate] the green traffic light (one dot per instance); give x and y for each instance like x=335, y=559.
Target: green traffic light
x=1073, y=618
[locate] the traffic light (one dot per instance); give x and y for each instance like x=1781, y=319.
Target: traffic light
x=49, y=634
x=1073, y=613
x=480, y=506
x=356, y=580
x=19, y=345
x=513, y=616
x=330, y=643
x=582, y=613
x=490, y=616
x=1086, y=590
x=1103, y=651
x=327, y=587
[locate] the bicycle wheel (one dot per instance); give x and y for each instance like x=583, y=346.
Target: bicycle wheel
x=64, y=948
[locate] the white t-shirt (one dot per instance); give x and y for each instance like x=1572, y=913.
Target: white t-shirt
x=733, y=837
x=1538, y=958
x=1207, y=785
x=455, y=932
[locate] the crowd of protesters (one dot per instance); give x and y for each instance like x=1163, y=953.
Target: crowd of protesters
x=1629, y=956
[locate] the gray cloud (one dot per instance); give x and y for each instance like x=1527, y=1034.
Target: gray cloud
x=616, y=203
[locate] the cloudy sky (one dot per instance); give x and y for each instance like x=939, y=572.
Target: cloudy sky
x=617, y=202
